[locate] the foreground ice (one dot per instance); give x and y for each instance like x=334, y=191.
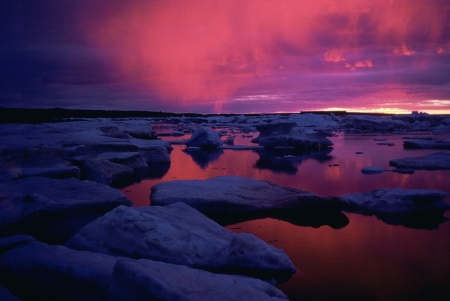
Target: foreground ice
x=151, y=280
x=236, y=194
x=53, y=210
x=181, y=235
x=434, y=161
x=35, y=271
x=417, y=208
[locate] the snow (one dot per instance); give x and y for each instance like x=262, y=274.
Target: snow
x=149, y=280
x=181, y=235
x=236, y=194
x=433, y=161
x=46, y=166
x=285, y=134
x=318, y=122
x=368, y=123
x=37, y=271
x=204, y=138
x=53, y=209
x=5, y=295
x=396, y=201
x=105, y=172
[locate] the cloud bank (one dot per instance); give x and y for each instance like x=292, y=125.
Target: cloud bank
x=237, y=56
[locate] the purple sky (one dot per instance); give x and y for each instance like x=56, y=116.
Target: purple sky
x=226, y=56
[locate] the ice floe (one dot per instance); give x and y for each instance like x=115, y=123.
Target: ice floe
x=181, y=235
x=204, y=138
x=416, y=208
x=36, y=271
x=434, y=161
x=234, y=193
x=53, y=210
x=286, y=134
x=231, y=199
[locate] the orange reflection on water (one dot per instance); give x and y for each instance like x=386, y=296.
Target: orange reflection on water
x=366, y=259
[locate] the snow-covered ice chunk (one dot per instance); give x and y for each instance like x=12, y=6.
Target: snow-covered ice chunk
x=53, y=210
x=5, y=295
x=204, y=138
x=397, y=201
x=51, y=167
x=285, y=134
x=105, y=172
x=316, y=121
x=37, y=271
x=150, y=280
x=434, y=161
x=236, y=194
x=412, y=208
x=371, y=123
x=181, y=235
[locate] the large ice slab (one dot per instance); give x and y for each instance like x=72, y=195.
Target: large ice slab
x=35, y=271
x=53, y=210
x=236, y=194
x=434, y=161
x=181, y=235
x=417, y=208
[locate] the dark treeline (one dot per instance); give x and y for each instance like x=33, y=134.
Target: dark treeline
x=28, y=115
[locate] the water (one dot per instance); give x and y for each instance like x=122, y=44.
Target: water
x=366, y=260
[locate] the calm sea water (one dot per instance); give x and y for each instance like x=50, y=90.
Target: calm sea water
x=367, y=259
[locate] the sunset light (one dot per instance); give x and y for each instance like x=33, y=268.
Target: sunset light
x=222, y=56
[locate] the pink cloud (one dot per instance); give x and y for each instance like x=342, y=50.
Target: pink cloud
x=208, y=52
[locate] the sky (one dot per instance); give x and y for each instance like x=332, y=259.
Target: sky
x=226, y=56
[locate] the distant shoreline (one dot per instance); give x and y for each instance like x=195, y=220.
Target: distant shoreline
x=32, y=115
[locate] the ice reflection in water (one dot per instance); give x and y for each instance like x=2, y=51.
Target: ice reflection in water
x=366, y=259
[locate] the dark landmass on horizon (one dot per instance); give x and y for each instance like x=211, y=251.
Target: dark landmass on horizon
x=34, y=115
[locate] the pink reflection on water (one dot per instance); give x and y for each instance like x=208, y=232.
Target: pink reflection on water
x=342, y=177
x=367, y=259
